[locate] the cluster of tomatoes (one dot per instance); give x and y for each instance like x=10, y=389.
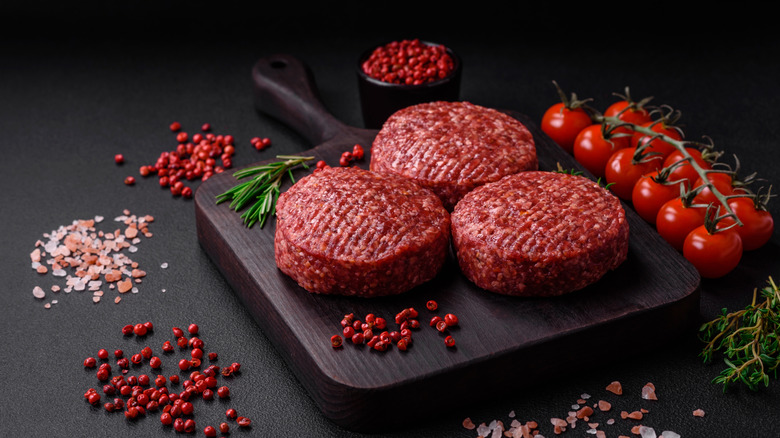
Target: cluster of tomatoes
x=644, y=159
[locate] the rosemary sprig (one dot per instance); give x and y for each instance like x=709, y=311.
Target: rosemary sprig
x=261, y=192
x=747, y=339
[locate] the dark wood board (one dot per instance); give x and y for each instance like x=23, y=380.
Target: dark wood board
x=503, y=343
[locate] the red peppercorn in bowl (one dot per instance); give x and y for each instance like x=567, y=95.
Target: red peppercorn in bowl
x=403, y=73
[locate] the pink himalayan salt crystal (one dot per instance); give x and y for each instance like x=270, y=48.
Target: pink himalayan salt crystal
x=648, y=392
x=615, y=388
x=38, y=292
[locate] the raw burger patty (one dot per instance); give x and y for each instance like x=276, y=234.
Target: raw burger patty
x=452, y=147
x=350, y=231
x=539, y=234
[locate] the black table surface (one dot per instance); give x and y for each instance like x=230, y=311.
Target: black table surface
x=82, y=84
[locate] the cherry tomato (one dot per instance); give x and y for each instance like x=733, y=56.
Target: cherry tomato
x=650, y=193
x=757, y=222
x=562, y=123
x=676, y=219
x=683, y=171
x=713, y=254
x=593, y=147
x=623, y=174
x=629, y=112
x=657, y=145
x=722, y=182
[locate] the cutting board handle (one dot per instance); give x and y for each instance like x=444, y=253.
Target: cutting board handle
x=284, y=88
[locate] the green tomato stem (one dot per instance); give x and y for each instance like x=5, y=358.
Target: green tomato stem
x=680, y=146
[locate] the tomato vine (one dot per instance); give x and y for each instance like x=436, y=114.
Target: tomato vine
x=650, y=150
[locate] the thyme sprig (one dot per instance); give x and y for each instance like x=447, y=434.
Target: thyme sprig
x=748, y=340
x=262, y=190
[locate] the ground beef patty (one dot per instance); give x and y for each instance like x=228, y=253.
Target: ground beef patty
x=350, y=231
x=539, y=234
x=452, y=147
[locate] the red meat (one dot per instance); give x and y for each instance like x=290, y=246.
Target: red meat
x=349, y=231
x=539, y=234
x=452, y=147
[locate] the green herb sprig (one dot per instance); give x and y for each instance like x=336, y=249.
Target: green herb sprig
x=747, y=339
x=261, y=192
x=560, y=169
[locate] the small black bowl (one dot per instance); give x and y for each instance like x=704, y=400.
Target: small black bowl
x=379, y=99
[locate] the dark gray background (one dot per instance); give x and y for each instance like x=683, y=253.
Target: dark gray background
x=81, y=83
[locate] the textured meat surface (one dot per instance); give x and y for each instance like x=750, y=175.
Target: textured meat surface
x=539, y=234
x=452, y=147
x=349, y=231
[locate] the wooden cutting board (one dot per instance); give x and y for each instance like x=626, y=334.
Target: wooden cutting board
x=503, y=343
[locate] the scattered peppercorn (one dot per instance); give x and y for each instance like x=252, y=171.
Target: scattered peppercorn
x=146, y=396
x=195, y=157
x=357, y=152
x=139, y=330
x=260, y=143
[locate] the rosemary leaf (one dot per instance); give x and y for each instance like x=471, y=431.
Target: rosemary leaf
x=258, y=195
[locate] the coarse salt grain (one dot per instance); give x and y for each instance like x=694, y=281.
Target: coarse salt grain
x=38, y=292
x=648, y=392
x=90, y=253
x=615, y=388
x=646, y=432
